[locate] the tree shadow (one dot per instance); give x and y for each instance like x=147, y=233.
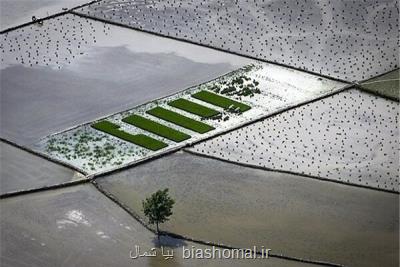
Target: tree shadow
x=167, y=241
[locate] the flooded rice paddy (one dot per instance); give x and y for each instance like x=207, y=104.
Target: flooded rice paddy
x=89, y=69
x=240, y=206
x=349, y=137
x=60, y=76
x=17, y=12
x=386, y=85
x=79, y=226
x=21, y=170
x=350, y=40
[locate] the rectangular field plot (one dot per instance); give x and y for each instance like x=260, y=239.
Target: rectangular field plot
x=298, y=210
x=156, y=128
x=220, y=101
x=180, y=120
x=193, y=108
x=87, y=221
x=19, y=171
x=354, y=155
x=138, y=139
x=374, y=50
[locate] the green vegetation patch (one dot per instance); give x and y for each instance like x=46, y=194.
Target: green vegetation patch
x=156, y=128
x=180, y=120
x=386, y=85
x=138, y=139
x=221, y=101
x=193, y=108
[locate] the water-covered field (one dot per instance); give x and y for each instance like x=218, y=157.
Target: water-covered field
x=240, y=206
x=386, y=85
x=273, y=124
x=350, y=40
x=350, y=137
x=21, y=170
x=16, y=12
x=79, y=226
x=89, y=69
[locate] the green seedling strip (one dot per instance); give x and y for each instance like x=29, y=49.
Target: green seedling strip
x=220, y=101
x=156, y=128
x=180, y=120
x=138, y=139
x=193, y=108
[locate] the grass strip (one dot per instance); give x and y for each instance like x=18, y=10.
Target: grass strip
x=156, y=128
x=220, y=101
x=193, y=108
x=138, y=139
x=180, y=120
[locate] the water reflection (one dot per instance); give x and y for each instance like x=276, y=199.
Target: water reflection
x=74, y=218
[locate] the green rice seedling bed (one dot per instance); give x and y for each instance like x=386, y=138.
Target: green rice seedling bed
x=220, y=101
x=180, y=120
x=193, y=108
x=138, y=139
x=156, y=128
